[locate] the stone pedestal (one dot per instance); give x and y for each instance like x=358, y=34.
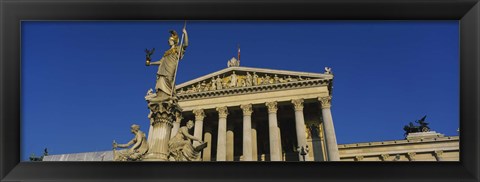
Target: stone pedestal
x=424, y=135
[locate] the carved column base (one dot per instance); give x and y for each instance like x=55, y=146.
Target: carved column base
x=156, y=157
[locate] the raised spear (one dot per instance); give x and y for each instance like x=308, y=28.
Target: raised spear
x=179, y=54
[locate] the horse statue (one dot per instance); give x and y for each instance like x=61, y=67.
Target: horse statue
x=422, y=127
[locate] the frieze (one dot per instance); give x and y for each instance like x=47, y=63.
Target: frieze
x=220, y=83
x=235, y=80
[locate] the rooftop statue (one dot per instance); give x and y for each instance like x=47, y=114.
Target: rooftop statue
x=328, y=70
x=136, y=152
x=411, y=128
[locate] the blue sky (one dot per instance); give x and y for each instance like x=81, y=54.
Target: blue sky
x=83, y=82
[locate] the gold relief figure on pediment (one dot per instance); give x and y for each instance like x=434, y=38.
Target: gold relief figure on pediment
x=255, y=79
x=218, y=83
x=266, y=79
x=248, y=80
x=233, y=79
x=213, y=85
x=276, y=79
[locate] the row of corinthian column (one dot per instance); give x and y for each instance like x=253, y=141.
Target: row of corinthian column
x=249, y=134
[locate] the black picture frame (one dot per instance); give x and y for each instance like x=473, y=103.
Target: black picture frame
x=13, y=12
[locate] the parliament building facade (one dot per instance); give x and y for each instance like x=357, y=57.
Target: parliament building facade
x=256, y=114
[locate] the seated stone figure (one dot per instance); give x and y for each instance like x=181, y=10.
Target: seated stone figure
x=137, y=151
x=180, y=147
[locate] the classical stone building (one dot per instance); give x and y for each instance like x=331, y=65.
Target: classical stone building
x=261, y=114
x=255, y=114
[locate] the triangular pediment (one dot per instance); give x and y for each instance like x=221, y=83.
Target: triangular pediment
x=241, y=77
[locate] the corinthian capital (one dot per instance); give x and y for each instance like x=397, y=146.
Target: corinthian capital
x=298, y=104
x=222, y=111
x=326, y=102
x=272, y=107
x=199, y=114
x=247, y=109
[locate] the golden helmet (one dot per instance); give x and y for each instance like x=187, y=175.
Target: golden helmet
x=173, y=36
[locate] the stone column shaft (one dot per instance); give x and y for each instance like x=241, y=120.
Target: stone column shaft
x=300, y=127
x=222, y=134
x=247, y=132
x=158, y=147
x=198, y=130
x=254, y=143
x=230, y=142
x=332, y=147
x=275, y=153
x=207, y=152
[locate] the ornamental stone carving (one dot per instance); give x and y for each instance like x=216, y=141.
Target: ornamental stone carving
x=247, y=109
x=249, y=80
x=233, y=80
x=255, y=79
x=411, y=156
x=222, y=111
x=328, y=70
x=276, y=79
x=218, y=82
x=385, y=157
x=178, y=117
x=358, y=158
x=243, y=80
x=326, y=102
x=298, y=104
x=266, y=80
x=272, y=107
x=199, y=114
x=163, y=112
x=137, y=151
x=438, y=155
x=213, y=85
